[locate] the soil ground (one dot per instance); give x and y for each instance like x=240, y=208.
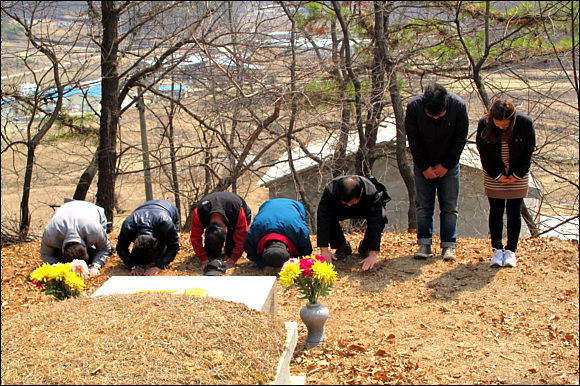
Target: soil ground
x=408, y=321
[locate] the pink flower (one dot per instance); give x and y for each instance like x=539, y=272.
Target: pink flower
x=80, y=267
x=292, y=260
x=320, y=258
x=305, y=265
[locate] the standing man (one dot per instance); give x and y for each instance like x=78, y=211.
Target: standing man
x=279, y=231
x=77, y=231
x=153, y=229
x=436, y=125
x=225, y=216
x=352, y=197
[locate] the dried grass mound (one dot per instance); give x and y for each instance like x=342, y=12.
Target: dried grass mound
x=149, y=338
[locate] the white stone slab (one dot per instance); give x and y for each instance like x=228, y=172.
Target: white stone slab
x=283, y=373
x=257, y=292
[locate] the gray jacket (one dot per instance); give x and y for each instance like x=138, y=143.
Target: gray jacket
x=76, y=221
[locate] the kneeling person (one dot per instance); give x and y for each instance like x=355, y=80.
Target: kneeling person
x=153, y=229
x=77, y=231
x=278, y=232
x=222, y=218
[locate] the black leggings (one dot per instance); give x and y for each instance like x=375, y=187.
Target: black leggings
x=497, y=206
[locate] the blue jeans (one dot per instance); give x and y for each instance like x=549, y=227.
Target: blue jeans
x=447, y=190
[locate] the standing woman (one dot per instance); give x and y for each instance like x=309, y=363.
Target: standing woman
x=505, y=141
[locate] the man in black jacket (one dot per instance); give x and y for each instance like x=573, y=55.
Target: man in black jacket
x=436, y=124
x=348, y=197
x=153, y=228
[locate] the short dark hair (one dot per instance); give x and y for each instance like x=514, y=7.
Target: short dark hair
x=349, y=188
x=147, y=249
x=74, y=251
x=215, y=236
x=275, y=253
x=435, y=99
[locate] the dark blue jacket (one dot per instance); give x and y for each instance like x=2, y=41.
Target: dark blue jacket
x=158, y=218
x=279, y=216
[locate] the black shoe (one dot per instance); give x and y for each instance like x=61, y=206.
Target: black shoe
x=363, y=250
x=423, y=252
x=343, y=250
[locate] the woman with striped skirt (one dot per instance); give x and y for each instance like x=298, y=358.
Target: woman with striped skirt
x=505, y=141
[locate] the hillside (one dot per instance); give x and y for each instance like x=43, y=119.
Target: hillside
x=409, y=321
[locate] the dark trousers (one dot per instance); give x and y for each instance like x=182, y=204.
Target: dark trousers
x=336, y=236
x=511, y=207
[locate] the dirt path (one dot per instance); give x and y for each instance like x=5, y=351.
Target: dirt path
x=410, y=321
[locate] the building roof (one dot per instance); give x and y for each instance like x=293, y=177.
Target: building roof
x=323, y=149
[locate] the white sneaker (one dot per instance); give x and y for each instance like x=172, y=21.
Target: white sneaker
x=509, y=259
x=497, y=258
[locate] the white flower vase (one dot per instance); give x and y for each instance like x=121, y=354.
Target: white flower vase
x=314, y=317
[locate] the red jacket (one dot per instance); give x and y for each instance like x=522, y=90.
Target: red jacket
x=238, y=217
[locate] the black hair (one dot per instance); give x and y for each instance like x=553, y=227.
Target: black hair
x=275, y=253
x=215, y=236
x=349, y=188
x=435, y=99
x=74, y=251
x=147, y=249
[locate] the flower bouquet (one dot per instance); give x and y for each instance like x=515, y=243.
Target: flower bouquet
x=59, y=280
x=312, y=275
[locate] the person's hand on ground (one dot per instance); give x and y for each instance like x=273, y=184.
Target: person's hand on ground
x=230, y=263
x=370, y=261
x=152, y=271
x=329, y=256
x=137, y=271
x=93, y=272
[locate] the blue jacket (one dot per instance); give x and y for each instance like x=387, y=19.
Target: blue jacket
x=158, y=218
x=279, y=216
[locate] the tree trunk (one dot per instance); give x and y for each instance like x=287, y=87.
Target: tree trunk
x=110, y=110
x=24, y=209
x=403, y=162
x=86, y=179
x=172, y=156
x=144, y=146
x=529, y=220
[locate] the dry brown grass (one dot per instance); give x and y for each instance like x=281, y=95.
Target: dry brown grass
x=151, y=338
x=404, y=322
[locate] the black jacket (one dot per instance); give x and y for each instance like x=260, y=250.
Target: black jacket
x=158, y=218
x=521, y=149
x=436, y=141
x=370, y=206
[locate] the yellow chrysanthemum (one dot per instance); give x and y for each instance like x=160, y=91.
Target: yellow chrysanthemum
x=61, y=270
x=289, y=274
x=42, y=273
x=323, y=272
x=74, y=281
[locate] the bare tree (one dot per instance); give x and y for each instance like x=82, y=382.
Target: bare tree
x=34, y=19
